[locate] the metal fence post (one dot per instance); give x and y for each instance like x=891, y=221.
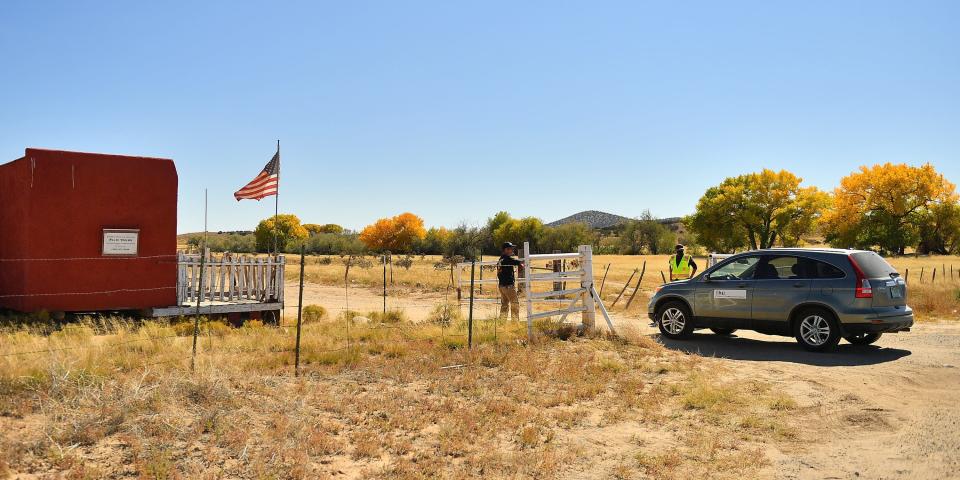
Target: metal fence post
x=473, y=266
x=384, y=283
x=296, y=362
x=196, y=317
x=527, y=275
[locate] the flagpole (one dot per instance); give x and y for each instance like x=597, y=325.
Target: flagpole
x=276, y=205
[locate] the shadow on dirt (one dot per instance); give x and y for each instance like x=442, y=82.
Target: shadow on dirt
x=780, y=349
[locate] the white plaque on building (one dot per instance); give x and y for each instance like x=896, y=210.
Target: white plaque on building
x=120, y=241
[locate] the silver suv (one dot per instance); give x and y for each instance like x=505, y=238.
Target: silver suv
x=815, y=295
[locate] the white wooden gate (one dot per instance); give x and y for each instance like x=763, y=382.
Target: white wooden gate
x=583, y=299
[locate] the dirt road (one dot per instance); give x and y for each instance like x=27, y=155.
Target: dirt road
x=890, y=410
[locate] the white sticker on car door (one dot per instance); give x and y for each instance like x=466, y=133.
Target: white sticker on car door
x=736, y=294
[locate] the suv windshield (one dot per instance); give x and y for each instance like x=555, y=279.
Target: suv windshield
x=873, y=265
x=739, y=269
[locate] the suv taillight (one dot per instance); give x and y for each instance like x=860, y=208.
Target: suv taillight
x=863, y=289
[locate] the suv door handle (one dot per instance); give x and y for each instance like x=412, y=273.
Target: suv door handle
x=799, y=285
x=742, y=285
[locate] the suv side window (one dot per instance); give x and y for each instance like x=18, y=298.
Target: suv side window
x=820, y=269
x=783, y=267
x=738, y=269
x=788, y=267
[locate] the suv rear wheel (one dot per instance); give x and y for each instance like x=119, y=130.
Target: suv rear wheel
x=674, y=319
x=863, y=338
x=816, y=330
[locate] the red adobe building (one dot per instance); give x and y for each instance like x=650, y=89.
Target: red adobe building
x=87, y=232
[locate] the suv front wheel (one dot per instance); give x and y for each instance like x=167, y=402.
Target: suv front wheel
x=816, y=330
x=675, y=320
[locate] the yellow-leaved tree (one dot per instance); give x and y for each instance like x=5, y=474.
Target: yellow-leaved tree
x=287, y=229
x=757, y=210
x=887, y=206
x=396, y=234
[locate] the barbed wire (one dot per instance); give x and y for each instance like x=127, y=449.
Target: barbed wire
x=101, y=292
x=64, y=259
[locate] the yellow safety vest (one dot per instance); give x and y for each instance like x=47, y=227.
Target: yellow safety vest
x=682, y=269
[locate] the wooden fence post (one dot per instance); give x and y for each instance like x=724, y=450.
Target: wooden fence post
x=480, y=288
x=556, y=265
x=604, y=280
x=589, y=316
x=637, y=289
x=625, y=285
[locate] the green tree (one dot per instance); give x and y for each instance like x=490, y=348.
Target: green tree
x=315, y=229
x=940, y=233
x=464, y=241
x=287, y=229
x=646, y=235
x=334, y=244
x=493, y=223
x=527, y=229
x=757, y=210
x=434, y=242
x=567, y=237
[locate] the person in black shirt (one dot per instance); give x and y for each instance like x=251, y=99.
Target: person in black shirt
x=507, y=281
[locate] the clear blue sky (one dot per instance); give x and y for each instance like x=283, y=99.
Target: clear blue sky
x=385, y=107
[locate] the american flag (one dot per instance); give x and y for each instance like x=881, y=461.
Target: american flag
x=265, y=184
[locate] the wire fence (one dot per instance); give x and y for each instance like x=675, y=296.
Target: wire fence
x=356, y=333
x=951, y=274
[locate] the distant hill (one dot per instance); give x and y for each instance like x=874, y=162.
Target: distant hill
x=603, y=220
x=593, y=218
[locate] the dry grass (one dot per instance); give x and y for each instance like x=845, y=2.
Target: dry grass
x=931, y=298
x=116, y=399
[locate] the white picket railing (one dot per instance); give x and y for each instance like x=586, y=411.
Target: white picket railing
x=229, y=278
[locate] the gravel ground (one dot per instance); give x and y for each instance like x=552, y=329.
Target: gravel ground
x=889, y=410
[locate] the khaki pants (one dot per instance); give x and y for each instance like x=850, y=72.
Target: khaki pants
x=509, y=300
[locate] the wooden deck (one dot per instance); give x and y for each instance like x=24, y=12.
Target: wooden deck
x=211, y=307
x=226, y=284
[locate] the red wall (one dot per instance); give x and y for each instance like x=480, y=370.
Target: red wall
x=54, y=206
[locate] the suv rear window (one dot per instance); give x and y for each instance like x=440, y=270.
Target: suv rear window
x=873, y=265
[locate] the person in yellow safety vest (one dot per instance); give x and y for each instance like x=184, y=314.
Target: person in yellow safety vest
x=682, y=266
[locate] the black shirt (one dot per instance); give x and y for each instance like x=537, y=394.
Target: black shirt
x=505, y=274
